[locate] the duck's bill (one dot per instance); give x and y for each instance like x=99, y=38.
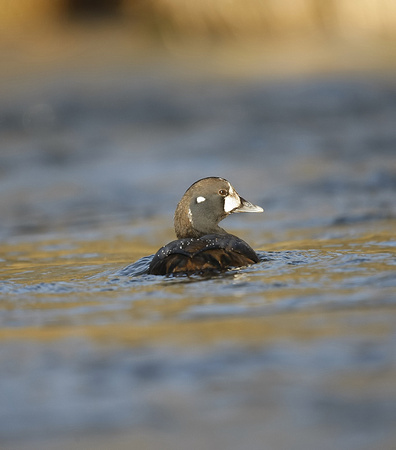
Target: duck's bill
x=246, y=206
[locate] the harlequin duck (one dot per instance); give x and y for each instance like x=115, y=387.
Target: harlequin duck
x=202, y=246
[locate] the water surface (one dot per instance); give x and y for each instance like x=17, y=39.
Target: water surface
x=297, y=351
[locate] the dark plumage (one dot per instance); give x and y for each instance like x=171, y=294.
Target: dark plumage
x=203, y=246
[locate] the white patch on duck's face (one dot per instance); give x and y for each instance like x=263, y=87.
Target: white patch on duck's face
x=190, y=215
x=200, y=199
x=232, y=200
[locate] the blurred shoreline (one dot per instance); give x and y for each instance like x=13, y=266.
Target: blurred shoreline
x=216, y=18
x=64, y=38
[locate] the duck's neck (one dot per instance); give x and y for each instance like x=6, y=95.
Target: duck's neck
x=186, y=227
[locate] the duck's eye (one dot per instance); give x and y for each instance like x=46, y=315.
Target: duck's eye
x=223, y=192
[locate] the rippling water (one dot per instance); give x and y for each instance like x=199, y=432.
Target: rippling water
x=297, y=351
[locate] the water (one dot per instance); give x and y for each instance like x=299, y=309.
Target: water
x=297, y=351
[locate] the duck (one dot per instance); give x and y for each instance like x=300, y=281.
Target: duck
x=202, y=246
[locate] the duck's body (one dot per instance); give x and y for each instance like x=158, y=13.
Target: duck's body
x=211, y=252
x=203, y=246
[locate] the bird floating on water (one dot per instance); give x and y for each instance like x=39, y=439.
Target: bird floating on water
x=202, y=246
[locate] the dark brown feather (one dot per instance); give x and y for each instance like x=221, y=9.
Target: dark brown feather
x=211, y=253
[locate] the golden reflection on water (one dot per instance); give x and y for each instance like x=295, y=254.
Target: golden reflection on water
x=239, y=331
x=71, y=281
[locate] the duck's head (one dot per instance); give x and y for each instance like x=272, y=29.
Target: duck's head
x=205, y=204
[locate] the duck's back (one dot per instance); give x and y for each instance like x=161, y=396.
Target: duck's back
x=209, y=253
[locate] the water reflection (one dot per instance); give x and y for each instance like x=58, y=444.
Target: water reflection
x=309, y=329
x=337, y=273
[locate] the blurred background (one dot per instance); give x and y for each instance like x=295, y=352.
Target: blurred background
x=111, y=109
